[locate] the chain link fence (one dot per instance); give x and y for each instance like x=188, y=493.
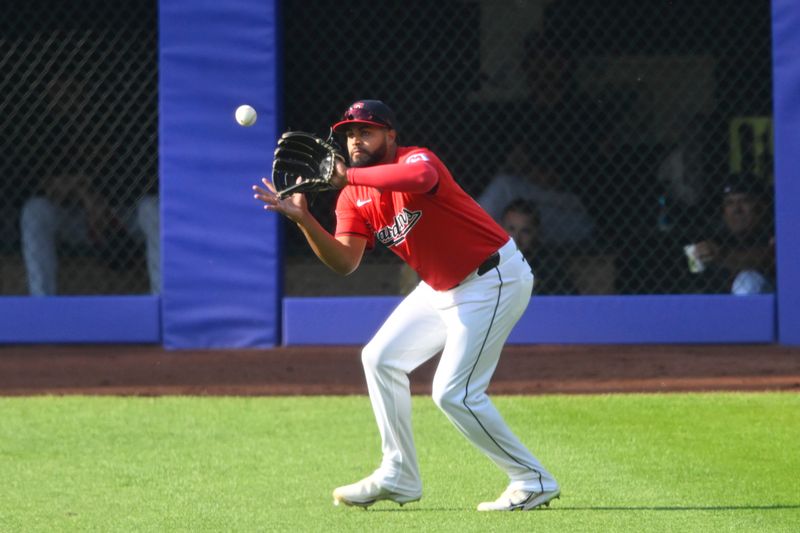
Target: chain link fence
x=613, y=130
x=78, y=133
x=618, y=132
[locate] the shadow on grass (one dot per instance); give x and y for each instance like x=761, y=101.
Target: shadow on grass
x=775, y=507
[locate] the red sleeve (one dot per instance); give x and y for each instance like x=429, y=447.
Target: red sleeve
x=350, y=222
x=417, y=177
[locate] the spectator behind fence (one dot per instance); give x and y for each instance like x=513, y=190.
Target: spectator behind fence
x=521, y=221
x=77, y=200
x=564, y=218
x=71, y=213
x=738, y=256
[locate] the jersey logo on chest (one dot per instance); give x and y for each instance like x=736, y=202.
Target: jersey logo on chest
x=396, y=232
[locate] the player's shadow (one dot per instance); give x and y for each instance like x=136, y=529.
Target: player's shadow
x=774, y=507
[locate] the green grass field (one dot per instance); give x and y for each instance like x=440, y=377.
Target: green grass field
x=690, y=462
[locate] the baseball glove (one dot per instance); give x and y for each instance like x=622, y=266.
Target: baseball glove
x=305, y=156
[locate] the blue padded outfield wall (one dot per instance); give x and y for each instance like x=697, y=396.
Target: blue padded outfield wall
x=561, y=319
x=221, y=254
x=786, y=102
x=221, y=261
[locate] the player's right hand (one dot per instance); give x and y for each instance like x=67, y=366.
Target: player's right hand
x=293, y=207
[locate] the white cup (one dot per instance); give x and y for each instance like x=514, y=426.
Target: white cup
x=695, y=264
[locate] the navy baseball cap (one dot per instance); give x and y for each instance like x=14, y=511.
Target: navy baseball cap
x=744, y=183
x=372, y=112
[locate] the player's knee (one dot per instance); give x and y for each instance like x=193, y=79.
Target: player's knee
x=371, y=357
x=448, y=399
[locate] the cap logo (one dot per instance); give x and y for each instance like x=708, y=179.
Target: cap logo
x=417, y=157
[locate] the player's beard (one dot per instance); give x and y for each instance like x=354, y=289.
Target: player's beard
x=373, y=158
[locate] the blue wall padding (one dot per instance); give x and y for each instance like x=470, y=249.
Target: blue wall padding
x=786, y=101
x=221, y=283
x=648, y=319
x=559, y=319
x=337, y=320
x=80, y=319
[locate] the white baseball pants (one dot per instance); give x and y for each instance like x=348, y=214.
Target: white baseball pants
x=469, y=324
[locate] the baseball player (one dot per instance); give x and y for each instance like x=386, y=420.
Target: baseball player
x=474, y=286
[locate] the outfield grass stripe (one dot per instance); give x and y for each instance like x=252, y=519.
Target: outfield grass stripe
x=652, y=462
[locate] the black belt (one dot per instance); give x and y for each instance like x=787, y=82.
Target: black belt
x=491, y=262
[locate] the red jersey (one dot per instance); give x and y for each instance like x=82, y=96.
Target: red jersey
x=443, y=234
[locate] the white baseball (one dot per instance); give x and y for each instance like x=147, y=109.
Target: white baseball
x=246, y=115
